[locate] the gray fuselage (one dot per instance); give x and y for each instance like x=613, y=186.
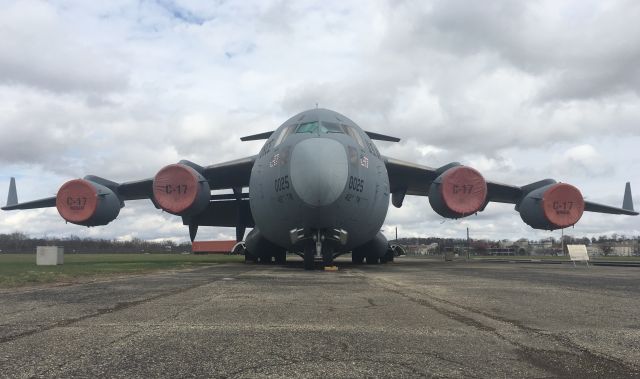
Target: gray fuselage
x=319, y=171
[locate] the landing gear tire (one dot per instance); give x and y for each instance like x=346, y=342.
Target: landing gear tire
x=373, y=259
x=265, y=259
x=309, y=260
x=248, y=257
x=357, y=258
x=327, y=256
x=281, y=257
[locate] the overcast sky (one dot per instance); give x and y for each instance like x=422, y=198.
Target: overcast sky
x=519, y=90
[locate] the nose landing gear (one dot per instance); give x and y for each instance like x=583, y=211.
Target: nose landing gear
x=318, y=245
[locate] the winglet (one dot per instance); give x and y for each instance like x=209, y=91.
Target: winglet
x=627, y=202
x=12, y=199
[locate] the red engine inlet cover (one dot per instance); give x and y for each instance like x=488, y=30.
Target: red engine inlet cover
x=77, y=201
x=463, y=190
x=563, y=205
x=175, y=188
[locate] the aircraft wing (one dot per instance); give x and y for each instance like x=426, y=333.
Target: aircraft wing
x=231, y=174
x=415, y=179
x=227, y=175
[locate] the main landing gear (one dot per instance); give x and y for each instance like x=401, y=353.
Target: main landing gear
x=266, y=257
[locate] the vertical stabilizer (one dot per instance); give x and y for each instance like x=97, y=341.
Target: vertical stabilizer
x=627, y=202
x=12, y=199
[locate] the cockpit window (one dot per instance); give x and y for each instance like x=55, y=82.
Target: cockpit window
x=354, y=134
x=331, y=127
x=284, y=133
x=320, y=127
x=308, y=127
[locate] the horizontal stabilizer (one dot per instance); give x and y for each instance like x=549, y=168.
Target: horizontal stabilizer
x=41, y=203
x=12, y=199
x=601, y=208
x=627, y=202
x=382, y=137
x=256, y=137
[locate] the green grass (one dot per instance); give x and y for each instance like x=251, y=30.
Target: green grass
x=20, y=269
x=522, y=257
x=615, y=258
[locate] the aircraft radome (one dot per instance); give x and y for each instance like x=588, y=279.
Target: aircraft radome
x=318, y=188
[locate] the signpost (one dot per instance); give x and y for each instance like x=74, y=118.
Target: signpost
x=578, y=253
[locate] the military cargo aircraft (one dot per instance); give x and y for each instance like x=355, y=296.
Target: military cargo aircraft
x=320, y=188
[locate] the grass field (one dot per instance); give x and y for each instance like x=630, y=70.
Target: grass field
x=521, y=257
x=20, y=269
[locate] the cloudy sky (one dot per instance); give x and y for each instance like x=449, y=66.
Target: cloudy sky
x=519, y=90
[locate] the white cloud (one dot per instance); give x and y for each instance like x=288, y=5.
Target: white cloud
x=521, y=91
x=582, y=160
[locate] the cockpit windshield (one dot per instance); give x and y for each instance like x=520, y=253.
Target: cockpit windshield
x=308, y=127
x=319, y=127
x=331, y=127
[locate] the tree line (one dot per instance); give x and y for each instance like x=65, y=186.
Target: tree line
x=495, y=243
x=22, y=243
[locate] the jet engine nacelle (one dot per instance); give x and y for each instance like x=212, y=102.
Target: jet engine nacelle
x=83, y=202
x=551, y=207
x=458, y=192
x=181, y=190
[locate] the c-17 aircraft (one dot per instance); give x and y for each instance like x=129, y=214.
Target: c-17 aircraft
x=320, y=188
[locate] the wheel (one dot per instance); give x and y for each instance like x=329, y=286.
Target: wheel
x=248, y=257
x=265, y=258
x=309, y=260
x=281, y=257
x=327, y=256
x=357, y=259
x=372, y=259
x=388, y=257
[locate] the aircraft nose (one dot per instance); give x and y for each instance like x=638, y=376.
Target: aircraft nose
x=319, y=170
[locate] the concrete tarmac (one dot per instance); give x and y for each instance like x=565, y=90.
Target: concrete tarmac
x=411, y=318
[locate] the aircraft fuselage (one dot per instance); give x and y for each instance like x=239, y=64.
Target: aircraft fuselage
x=319, y=176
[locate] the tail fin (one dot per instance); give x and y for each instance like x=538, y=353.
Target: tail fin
x=12, y=199
x=627, y=202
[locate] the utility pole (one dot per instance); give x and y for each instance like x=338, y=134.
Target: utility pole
x=396, y=234
x=468, y=245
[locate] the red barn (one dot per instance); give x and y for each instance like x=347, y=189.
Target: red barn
x=212, y=247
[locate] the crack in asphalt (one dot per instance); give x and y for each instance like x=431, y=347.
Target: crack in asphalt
x=578, y=362
x=255, y=369
x=99, y=312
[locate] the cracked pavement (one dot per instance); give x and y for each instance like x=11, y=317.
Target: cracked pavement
x=414, y=317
